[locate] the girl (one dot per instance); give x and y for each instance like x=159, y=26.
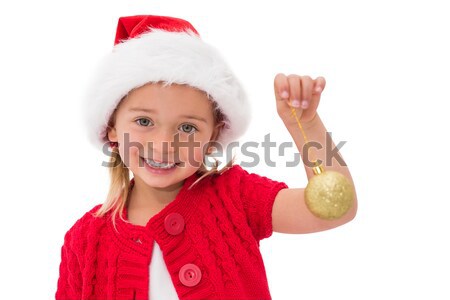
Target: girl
x=162, y=101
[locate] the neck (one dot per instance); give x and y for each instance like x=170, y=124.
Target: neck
x=143, y=195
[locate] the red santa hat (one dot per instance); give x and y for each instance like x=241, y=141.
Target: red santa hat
x=162, y=49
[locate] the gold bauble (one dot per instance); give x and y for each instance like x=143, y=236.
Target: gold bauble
x=329, y=194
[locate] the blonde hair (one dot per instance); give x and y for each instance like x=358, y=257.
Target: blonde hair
x=119, y=189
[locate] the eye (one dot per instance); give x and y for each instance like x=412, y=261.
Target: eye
x=188, y=128
x=144, y=122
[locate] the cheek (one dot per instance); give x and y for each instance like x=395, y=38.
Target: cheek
x=129, y=155
x=196, y=152
x=130, y=139
x=131, y=146
x=199, y=152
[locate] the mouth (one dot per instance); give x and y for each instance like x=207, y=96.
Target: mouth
x=159, y=164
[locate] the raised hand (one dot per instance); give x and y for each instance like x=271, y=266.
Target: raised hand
x=301, y=92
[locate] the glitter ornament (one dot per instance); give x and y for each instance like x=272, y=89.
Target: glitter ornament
x=328, y=194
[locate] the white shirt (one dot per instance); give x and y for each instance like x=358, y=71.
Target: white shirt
x=161, y=285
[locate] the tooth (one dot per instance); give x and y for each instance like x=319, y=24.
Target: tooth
x=159, y=165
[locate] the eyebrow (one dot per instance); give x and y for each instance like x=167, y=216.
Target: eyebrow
x=138, y=109
x=194, y=118
x=141, y=109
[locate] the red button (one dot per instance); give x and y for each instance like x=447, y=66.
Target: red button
x=190, y=275
x=174, y=223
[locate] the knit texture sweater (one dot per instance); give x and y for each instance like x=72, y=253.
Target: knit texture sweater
x=209, y=235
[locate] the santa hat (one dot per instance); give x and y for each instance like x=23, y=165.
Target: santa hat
x=162, y=49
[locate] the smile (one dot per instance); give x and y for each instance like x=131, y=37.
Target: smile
x=159, y=165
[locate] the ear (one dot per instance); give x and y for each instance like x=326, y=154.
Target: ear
x=112, y=134
x=216, y=131
x=215, y=135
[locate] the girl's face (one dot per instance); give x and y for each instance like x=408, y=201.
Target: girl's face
x=163, y=132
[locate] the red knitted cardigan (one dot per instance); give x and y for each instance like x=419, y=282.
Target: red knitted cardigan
x=212, y=252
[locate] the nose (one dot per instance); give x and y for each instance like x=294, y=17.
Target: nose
x=161, y=145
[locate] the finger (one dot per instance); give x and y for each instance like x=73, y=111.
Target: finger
x=294, y=90
x=306, y=89
x=319, y=86
x=281, y=87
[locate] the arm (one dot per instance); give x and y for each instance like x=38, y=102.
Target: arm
x=290, y=214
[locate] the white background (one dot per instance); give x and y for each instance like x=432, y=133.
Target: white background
x=387, y=69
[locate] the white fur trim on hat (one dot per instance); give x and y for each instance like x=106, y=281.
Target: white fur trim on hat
x=171, y=57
